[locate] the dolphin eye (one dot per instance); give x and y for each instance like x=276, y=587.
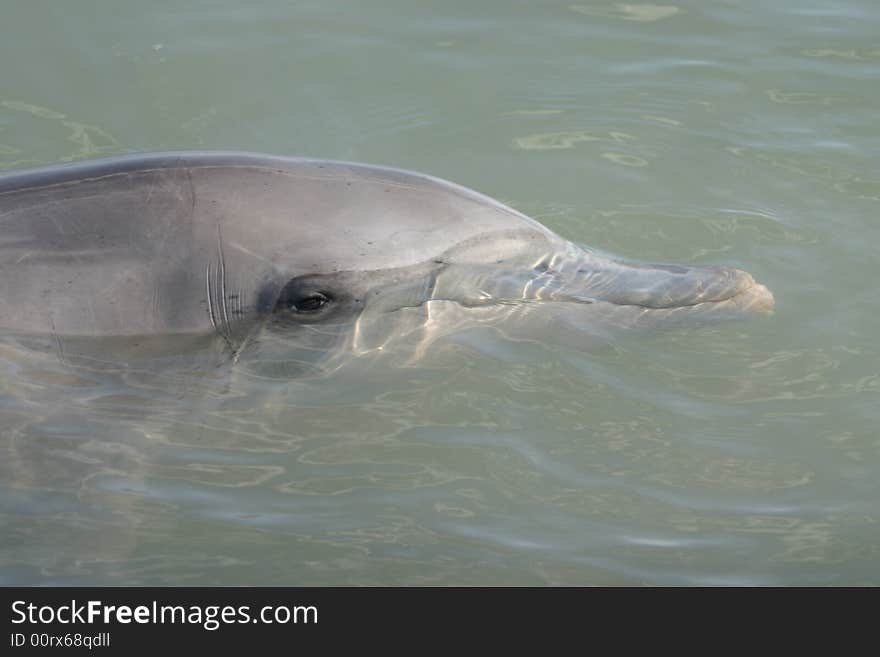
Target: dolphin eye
x=310, y=302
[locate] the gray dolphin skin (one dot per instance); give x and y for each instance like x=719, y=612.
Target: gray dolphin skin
x=238, y=246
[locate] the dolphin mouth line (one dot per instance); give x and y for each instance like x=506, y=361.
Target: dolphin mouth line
x=762, y=301
x=756, y=297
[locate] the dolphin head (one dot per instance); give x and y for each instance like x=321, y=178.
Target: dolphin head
x=306, y=261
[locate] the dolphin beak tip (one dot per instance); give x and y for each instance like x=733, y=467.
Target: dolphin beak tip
x=760, y=299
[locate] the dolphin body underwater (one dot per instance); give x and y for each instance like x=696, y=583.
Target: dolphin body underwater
x=314, y=257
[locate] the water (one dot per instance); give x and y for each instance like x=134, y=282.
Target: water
x=718, y=132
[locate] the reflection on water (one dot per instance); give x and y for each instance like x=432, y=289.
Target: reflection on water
x=89, y=140
x=699, y=133
x=644, y=13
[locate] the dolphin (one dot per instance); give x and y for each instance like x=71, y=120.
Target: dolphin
x=318, y=255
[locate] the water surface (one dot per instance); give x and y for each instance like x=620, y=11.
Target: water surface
x=711, y=132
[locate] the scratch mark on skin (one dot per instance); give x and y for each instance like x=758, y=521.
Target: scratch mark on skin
x=215, y=286
x=210, y=294
x=57, y=224
x=156, y=304
x=192, y=195
x=221, y=326
x=150, y=191
x=58, y=342
x=222, y=290
x=238, y=246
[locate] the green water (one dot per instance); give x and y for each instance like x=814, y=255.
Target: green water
x=710, y=132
